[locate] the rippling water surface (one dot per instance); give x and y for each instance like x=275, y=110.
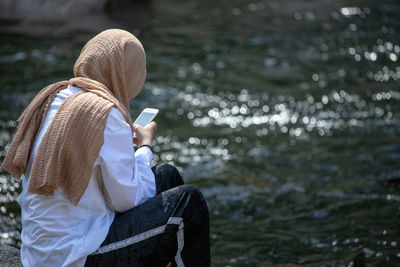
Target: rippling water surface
x=285, y=113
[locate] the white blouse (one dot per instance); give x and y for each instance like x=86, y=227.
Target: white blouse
x=56, y=233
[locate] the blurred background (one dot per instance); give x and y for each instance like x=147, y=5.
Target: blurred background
x=285, y=113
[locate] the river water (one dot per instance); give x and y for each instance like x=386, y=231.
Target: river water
x=284, y=113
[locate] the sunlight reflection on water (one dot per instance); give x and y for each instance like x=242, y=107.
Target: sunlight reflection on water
x=286, y=114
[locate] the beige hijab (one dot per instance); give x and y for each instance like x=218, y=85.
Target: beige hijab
x=111, y=70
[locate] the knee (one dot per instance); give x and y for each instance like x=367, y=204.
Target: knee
x=192, y=190
x=197, y=200
x=167, y=170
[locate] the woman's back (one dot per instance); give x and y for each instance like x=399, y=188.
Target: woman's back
x=55, y=231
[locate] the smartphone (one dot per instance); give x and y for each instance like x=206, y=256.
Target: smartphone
x=147, y=115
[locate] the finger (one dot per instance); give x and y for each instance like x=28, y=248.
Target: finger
x=136, y=127
x=152, y=124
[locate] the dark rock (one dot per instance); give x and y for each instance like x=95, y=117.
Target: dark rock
x=55, y=18
x=50, y=8
x=9, y=256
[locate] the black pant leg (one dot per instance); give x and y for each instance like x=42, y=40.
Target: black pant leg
x=184, y=202
x=167, y=177
x=196, y=251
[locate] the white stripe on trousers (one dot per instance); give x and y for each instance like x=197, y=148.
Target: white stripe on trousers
x=145, y=235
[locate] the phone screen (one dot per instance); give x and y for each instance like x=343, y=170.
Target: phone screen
x=144, y=118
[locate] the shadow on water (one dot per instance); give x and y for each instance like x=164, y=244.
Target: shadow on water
x=285, y=113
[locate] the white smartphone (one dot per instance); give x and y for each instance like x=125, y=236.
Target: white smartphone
x=147, y=115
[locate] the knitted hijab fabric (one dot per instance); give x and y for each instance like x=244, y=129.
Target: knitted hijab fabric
x=111, y=70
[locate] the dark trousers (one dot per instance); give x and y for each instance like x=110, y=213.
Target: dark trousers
x=172, y=227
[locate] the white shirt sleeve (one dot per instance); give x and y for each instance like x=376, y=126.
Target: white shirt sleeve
x=127, y=176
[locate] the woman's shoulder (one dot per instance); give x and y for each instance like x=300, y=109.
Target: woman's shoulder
x=116, y=121
x=69, y=90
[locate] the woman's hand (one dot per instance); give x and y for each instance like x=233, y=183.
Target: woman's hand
x=144, y=135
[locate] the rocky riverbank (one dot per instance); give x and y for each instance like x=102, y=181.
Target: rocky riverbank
x=9, y=256
x=61, y=18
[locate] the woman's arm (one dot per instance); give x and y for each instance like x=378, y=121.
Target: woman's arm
x=127, y=176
